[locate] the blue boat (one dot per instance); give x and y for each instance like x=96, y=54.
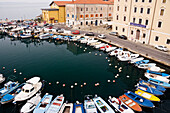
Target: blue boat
x=155, y=86
x=78, y=108
x=140, y=100
x=158, y=82
x=8, y=87
x=10, y=96
x=158, y=73
x=149, y=89
x=141, y=62
x=44, y=104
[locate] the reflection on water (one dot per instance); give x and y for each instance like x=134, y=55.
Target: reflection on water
x=68, y=63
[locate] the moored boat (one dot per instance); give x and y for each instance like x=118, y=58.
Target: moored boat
x=102, y=105
x=78, y=108
x=147, y=95
x=66, y=108
x=140, y=100
x=129, y=102
x=119, y=105
x=31, y=104
x=89, y=105
x=56, y=104
x=44, y=104
x=158, y=82
x=2, y=78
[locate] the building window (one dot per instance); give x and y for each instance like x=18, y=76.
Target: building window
x=101, y=15
x=162, y=12
x=135, y=9
x=144, y=35
x=96, y=8
x=117, y=17
x=72, y=16
x=81, y=16
x=143, y=0
x=91, y=22
x=73, y=23
x=118, y=0
x=150, y=1
x=125, y=0
x=101, y=8
x=91, y=15
x=134, y=20
x=136, y=0
x=116, y=28
x=86, y=9
x=146, y=22
x=100, y=21
x=168, y=41
x=110, y=14
x=96, y=15
x=159, y=24
x=124, y=18
x=91, y=9
x=86, y=22
x=117, y=8
x=81, y=23
x=123, y=29
x=87, y=16
x=131, y=32
x=125, y=8
x=163, y=1
x=81, y=9
x=141, y=10
x=140, y=21
x=148, y=11
x=156, y=38
x=110, y=8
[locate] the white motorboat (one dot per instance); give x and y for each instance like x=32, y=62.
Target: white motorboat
x=157, y=77
x=116, y=52
x=31, y=104
x=136, y=60
x=94, y=43
x=66, y=108
x=85, y=40
x=99, y=45
x=44, y=36
x=91, y=41
x=156, y=69
x=31, y=87
x=56, y=104
x=2, y=79
x=121, y=107
x=110, y=49
x=89, y=105
x=146, y=66
x=127, y=57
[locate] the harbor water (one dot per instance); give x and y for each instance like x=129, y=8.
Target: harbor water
x=63, y=64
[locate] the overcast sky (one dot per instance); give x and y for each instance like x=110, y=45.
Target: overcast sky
x=31, y=0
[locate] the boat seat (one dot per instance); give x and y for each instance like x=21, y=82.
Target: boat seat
x=57, y=104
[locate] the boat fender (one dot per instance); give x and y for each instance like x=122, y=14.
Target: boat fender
x=84, y=83
x=3, y=68
x=141, y=100
x=108, y=80
x=81, y=86
x=110, y=64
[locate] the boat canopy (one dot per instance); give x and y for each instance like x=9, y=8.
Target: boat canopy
x=33, y=80
x=27, y=87
x=8, y=83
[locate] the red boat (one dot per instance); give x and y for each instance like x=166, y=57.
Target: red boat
x=76, y=32
x=104, y=47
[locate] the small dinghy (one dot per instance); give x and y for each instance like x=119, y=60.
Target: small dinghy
x=66, y=108
x=136, y=60
x=119, y=105
x=148, y=96
x=56, y=104
x=116, y=52
x=141, y=62
x=152, y=85
x=25, y=36
x=31, y=104
x=44, y=104
x=140, y=100
x=8, y=87
x=10, y=96
x=149, y=89
x=156, y=69
x=110, y=49
x=78, y=108
x=158, y=73
x=102, y=105
x=45, y=36
x=2, y=79
x=129, y=102
x=146, y=66
x=158, y=82
x=89, y=105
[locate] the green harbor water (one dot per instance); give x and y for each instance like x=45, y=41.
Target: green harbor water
x=68, y=63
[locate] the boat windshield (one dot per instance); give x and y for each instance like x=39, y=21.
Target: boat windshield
x=90, y=106
x=104, y=108
x=99, y=102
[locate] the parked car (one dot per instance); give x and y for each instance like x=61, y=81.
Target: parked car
x=123, y=37
x=161, y=47
x=89, y=34
x=113, y=33
x=76, y=32
x=103, y=36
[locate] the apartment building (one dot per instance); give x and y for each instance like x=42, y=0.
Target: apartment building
x=144, y=21
x=89, y=12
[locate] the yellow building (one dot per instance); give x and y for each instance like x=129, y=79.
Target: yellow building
x=56, y=13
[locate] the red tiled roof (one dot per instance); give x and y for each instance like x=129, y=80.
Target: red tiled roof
x=92, y=2
x=60, y=3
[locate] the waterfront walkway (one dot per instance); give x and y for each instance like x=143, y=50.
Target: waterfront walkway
x=142, y=49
